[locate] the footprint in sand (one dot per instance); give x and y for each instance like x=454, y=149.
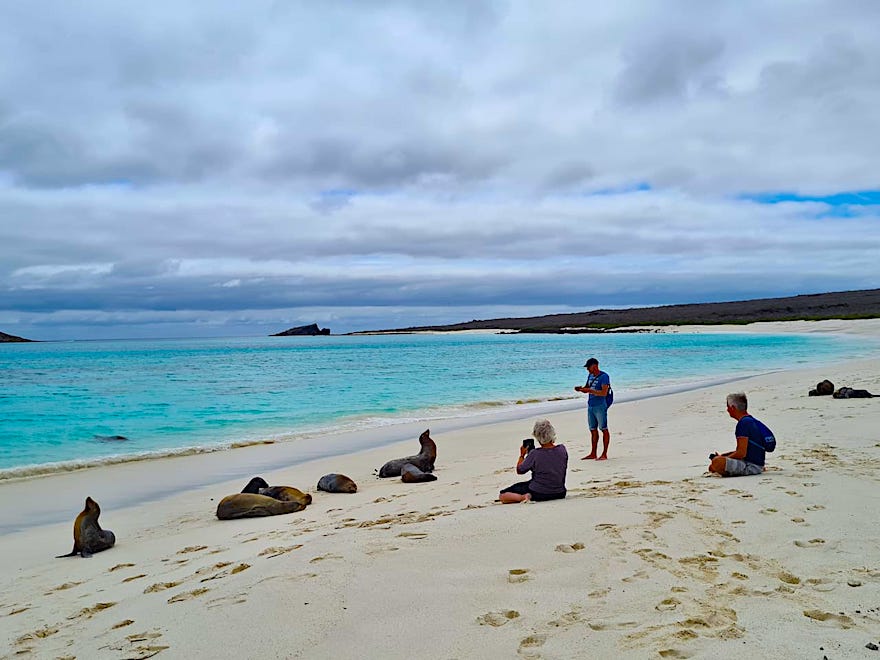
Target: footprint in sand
x=812, y=543
x=788, y=578
x=40, y=633
x=160, y=586
x=195, y=593
x=118, y=566
x=570, y=547
x=18, y=611
x=192, y=548
x=140, y=645
x=667, y=605
x=63, y=587
x=89, y=612
x=416, y=536
x=673, y=653
x=531, y=642
x=815, y=507
x=797, y=520
x=497, y=618
x=277, y=551
x=315, y=560
x=840, y=620
x=133, y=578
x=122, y=624
x=517, y=575
x=821, y=584
x=768, y=511
x=222, y=573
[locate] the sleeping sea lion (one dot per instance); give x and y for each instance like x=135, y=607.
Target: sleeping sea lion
x=252, y=505
x=424, y=460
x=287, y=494
x=88, y=537
x=410, y=474
x=850, y=393
x=825, y=388
x=254, y=485
x=337, y=483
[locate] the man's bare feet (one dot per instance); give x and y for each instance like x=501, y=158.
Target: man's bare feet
x=526, y=498
x=603, y=457
x=589, y=457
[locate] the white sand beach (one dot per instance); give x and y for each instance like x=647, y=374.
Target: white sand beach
x=649, y=556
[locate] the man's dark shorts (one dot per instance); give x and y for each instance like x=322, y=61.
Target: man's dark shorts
x=522, y=488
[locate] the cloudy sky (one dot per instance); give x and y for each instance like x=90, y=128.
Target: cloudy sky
x=226, y=168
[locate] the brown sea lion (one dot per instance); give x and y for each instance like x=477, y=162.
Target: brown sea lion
x=825, y=388
x=88, y=537
x=287, y=494
x=252, y=505
x=337, y=483
x=424, y=460
x=254, y=485
x=410, y=474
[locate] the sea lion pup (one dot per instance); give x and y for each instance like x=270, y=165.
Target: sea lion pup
x=825, y=388
x=254, y=485
x=287, y=494
x=252, y=505
x=337, y=483
x=88, y=537
x=424, y=460
x=410, y=474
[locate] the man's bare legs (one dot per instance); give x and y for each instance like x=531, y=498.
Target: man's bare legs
x=606, y=440
x=594, y=441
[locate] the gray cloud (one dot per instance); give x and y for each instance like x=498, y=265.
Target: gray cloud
x=175, y=165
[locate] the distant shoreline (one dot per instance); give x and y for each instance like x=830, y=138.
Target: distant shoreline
x=841, y=306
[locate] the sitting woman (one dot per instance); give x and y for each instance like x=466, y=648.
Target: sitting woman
x=547, y=464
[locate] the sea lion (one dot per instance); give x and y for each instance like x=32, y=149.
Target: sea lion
x=111, y=438
x=850, y=393
x=287, y=494
x=424, y=460
x=825, y=388
x=254, y=485
x=410, y=474
x=252, y=505
x=88, y=537
x=337, y=483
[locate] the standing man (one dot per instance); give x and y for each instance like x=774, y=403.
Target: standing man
x=598, y=384
x=753, y=439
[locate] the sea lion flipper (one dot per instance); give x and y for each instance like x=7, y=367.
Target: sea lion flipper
x=72, y=553
x=85, y=554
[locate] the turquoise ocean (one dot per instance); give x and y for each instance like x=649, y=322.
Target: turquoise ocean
x=60, y=401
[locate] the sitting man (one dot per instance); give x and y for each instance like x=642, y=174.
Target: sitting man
x=753, y=439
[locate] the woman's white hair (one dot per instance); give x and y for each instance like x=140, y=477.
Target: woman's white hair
x=544, y=432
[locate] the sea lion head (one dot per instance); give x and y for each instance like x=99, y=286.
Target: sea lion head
x=92, y=507
x=254, y=485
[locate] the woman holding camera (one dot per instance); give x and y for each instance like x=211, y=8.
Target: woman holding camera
x=547, y=463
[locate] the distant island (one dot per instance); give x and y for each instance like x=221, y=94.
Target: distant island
x=311, y=329
x=11, y=338
x=811, y=307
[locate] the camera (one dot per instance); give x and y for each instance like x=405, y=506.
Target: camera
x=529, y=444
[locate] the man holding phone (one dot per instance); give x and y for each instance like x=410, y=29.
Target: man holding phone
x=597, y=386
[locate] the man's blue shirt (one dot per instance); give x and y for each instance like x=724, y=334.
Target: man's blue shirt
x=596, y=383
x=755, y=431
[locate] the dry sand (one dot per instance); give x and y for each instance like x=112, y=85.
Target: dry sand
x=649, y=556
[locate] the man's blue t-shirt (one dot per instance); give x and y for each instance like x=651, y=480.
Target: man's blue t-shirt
x=755, y=431
x=596, y=383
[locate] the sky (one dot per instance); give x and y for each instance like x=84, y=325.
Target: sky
x=219, y=168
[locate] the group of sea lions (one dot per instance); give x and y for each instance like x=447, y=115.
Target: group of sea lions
x=259, y=499
x=826, y=388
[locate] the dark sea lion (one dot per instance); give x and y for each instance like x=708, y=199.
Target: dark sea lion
x=251, y=505
x=254, y=485
x=850, y=393
x=337, y=483
x=825, y=388
x=111, y=438
x=424, y=460
x=88, y=537
x=410, y=474
x=287, y=494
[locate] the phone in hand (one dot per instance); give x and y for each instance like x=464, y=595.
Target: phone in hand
x=529, y=444
x=712, y=456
